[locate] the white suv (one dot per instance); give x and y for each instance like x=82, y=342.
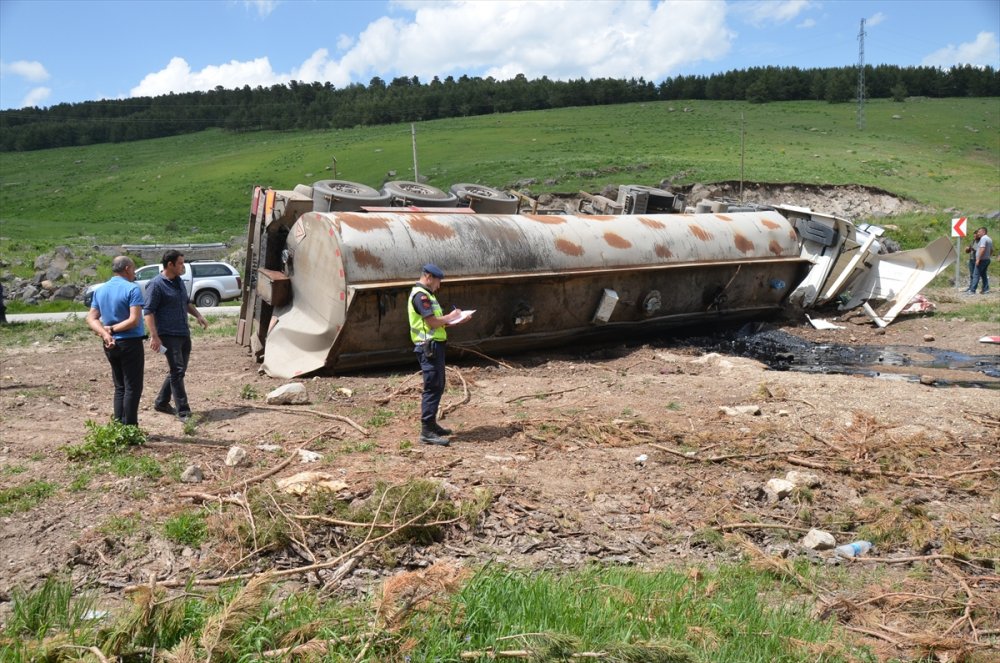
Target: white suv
x=208, y=282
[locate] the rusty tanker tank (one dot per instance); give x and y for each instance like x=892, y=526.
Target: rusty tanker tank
x=328, y=290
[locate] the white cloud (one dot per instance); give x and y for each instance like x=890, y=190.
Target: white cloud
x=806, y=24
x=557, y=39
x=561, y=39
x=32, y=71
x=877, y=18
x=178, y=77
x=985, y=50
x=35, y=97
x=263, y=7
x=767, y=12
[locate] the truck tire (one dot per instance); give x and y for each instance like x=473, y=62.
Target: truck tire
x=206, y=299
x=404, y=193
x=484, y=199
x=344, y=196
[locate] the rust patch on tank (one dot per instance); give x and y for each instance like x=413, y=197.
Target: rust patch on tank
x=366, y=258
x=662, y=251
x=617, y=241
x=547, y=219
x=601, y=217
x=774, y=247
x=723, y=217
x=430, y=228
x=743, y=244
x=651, y=223
x=770, y=225
x=699, y=232
x=364, y=223
x=569, y=248
x=792, y=236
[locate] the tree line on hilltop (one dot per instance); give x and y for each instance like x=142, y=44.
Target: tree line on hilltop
x=297, y=105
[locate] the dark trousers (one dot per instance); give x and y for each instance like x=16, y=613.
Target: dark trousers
x=127, y=359
x=433, y=372
x=979, y=274
x=178, y=353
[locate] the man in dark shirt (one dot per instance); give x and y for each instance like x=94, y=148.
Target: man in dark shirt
x=166, y=311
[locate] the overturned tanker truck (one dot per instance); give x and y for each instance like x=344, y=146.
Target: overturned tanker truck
x=329, y=268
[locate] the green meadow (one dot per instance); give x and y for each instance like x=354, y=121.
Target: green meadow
x=942, y=153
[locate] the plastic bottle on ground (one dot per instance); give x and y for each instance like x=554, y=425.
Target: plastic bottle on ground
x=855, y=549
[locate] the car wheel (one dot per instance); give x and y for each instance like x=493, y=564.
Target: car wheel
x=206, y=299
x=344, y=196
x=414, y=193
x=484, y=199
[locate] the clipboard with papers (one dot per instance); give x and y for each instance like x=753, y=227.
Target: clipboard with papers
x=462, y=318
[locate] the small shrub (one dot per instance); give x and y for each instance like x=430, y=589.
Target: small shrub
x=191, y=424
x=106, y=441
x=249, y=393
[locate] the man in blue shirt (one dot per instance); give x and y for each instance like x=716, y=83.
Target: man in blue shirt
x=116, y=316
x=167, y=309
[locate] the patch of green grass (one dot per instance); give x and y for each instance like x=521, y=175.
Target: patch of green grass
x=51, y=607
x=23, y=334
x=357, y=447
x=734, y=614
x=81, y=481
x=187, y=528
x=976, y=309
x=26, y=497
x=380, y=418
x=673, y=405
x=11, y=470
x=104, y=441
x=136, y=466
x=121, y=526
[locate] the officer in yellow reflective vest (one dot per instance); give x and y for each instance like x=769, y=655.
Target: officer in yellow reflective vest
x=427, y=331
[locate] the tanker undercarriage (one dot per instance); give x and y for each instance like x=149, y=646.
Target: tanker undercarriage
x=329, y=268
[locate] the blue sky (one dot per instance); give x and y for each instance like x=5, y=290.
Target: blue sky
x=54, y=51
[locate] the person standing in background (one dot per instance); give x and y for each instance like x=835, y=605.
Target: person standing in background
x=116, y=316
x=983, y=252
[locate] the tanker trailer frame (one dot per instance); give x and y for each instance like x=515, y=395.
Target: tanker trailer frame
x=329, y=290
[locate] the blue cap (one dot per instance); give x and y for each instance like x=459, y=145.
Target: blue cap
x=433, y=270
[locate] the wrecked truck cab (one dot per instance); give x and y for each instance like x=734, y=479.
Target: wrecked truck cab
x=328, y=290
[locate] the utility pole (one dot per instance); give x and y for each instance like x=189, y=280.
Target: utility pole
x=861, y=76
x=742, y=151
x=413, y=139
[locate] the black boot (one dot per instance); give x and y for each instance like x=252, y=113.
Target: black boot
x=428, y=436
x=441, y=430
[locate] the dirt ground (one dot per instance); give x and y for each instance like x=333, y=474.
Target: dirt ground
x=613, y=454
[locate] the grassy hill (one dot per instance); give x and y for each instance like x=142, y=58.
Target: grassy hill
x=944, y=153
